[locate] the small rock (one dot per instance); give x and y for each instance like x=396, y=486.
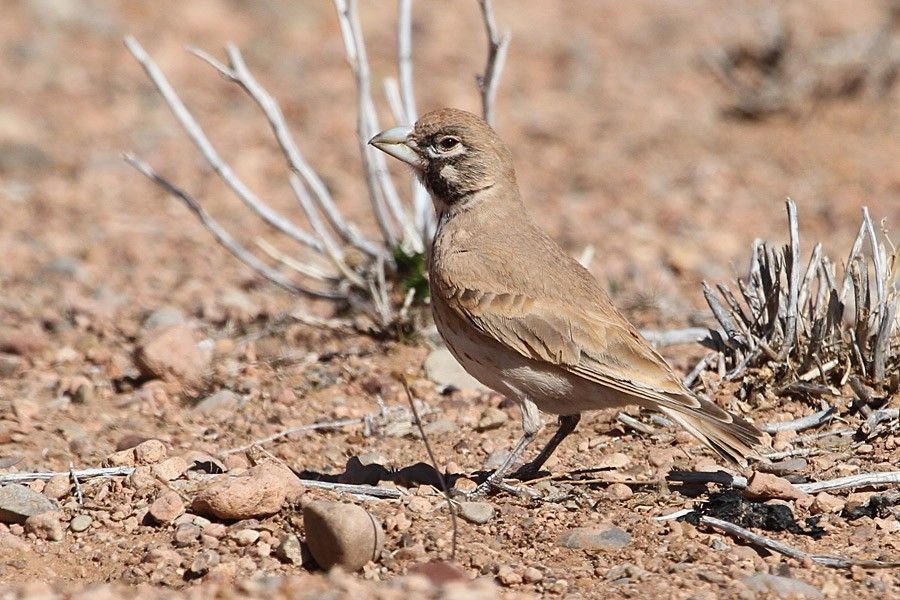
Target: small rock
x=764, y=486
x=9, y=365
x=19, y=502
x=532, y=575
x=164, y=316
x=224, y=400
x=186, y=534
x=616, y=460
x=290, y=550
x=496, y=458
x=826, y=503
x=782, y=587
x=142, y=479
x=215, y=530
x=25, y=341
x=340, y=534
x=173, y=354
x=624, y=572
x=491, y=418
x=57, y=486
x=476, y=512
x=444, y=370
x=166, y=508
x=169, y=469
x=588, y=538
x=662, y=457
x=203, y=562
x=122, y=458
x=619, y=491
x=419, y=505
x=784, y=467
x=245, y=537
x=46, y=526
x=260, y=492
x=440, y=573
x=508, y=576
x=150, y=452
x=80, y=523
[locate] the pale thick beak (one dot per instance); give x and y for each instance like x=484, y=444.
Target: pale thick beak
x=396, y=142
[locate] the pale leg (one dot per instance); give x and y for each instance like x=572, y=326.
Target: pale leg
x=531, y=424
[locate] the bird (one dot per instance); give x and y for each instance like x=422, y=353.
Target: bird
x=524, y=317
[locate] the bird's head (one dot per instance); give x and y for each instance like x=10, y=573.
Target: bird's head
x=454, y=153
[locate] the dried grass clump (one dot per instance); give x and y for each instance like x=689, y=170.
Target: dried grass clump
x=812, y=330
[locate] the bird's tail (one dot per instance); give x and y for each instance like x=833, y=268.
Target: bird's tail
x=730, y=436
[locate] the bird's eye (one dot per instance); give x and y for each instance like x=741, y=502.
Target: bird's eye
x=447, y=143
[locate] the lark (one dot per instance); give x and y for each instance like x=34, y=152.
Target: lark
x=521, y=315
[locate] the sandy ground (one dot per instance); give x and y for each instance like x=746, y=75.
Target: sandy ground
x=621, y=138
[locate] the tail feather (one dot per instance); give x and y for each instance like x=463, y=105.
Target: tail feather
x=730, y=436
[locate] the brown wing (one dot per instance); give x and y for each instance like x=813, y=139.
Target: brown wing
x=595, y=343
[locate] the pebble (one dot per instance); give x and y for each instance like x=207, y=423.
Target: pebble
x=532, y=575
x=619, y=491
x=19, y=502
x=215, y=530
x=782, y=587
x=508, y=576
x=203, y=562
x=173, y=354
x=57, y=486
x=224, y=400
x=765, y=486
x=589, y=538
x=662, y=457
x=169, y=469
x=616, y=460
x=164, y=316
x=419, y=504
x=150, y=452
x=491, y=418
x=245, y=537
x=477, y=512
x=80, y=523
x=444, y=370
x=340, y=534
x=46, y=526
x=290, y=550
x=826, y=503
x=166, y=508
x=260, y=492
x=186, y=534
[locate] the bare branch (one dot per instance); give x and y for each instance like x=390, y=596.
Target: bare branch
x=240, y=74
x=498, y=45
x=225, y=238
x=195, y=132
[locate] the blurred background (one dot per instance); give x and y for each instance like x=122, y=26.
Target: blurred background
x=667, y=134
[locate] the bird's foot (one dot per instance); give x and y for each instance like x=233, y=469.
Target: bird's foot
x=489, y=485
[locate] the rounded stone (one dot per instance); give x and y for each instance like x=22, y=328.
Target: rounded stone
x=342, y=535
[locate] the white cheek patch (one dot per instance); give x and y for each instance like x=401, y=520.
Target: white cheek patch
x=449, y=173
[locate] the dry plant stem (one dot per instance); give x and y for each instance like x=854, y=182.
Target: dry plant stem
x=422, y=212
x=807, y=422
x=381, y=186
x=79, y=495
x=195, y=132
x=674, y=337
x=71, y=473
x=629, y=421
x=434, y=463
x=793, y=261
x=241, y=75
x=776, y=546
x=851, y=481
x=498, y=45
x=225, y=238
x=355, y=489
